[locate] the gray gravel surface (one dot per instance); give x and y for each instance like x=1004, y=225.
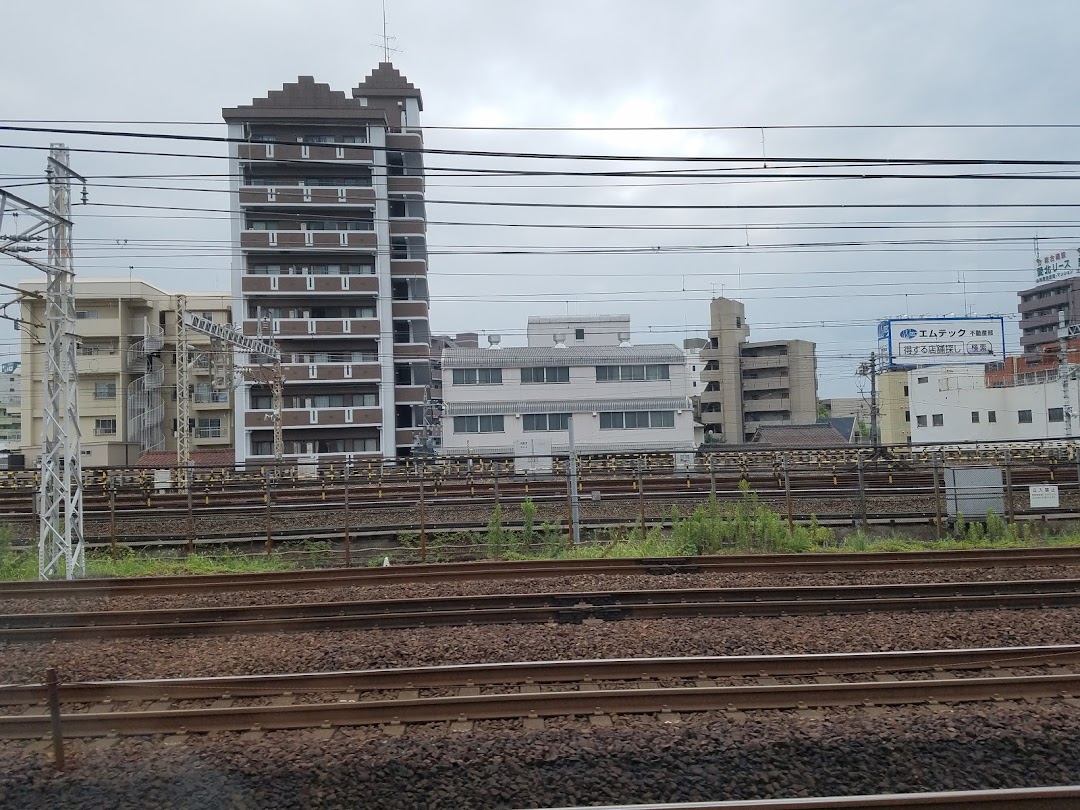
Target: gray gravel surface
x=708, y=756
x=590, y=582
x=338, y=650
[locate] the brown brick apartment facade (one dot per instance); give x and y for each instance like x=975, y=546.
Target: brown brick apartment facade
x=329, y=258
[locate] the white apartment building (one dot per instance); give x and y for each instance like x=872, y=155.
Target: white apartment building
x=955, y=405
x=619, y=398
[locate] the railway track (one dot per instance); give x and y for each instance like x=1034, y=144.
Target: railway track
x=1037, y=798
x=563, y=608
x=533, y=569
x=531, y=691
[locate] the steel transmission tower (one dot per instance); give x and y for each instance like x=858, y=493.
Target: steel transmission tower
x=61, y=550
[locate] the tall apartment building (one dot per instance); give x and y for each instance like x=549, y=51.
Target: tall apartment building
x=750, y=384
x=126, y=362
x=1039, y=308
x=330, y=260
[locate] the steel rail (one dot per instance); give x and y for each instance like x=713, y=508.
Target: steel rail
x=536, y=672
x=544, y=704
x=567, y=608
x=1066, y=797
x=526, y=569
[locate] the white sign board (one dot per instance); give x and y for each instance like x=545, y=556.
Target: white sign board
x=1043, y=496
x=1057, y=265
x=944, y=341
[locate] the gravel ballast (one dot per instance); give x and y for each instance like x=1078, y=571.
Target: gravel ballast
x=709, y=756
x=340, y=650
x=587, y=582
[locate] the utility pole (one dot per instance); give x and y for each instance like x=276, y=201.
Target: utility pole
x=61, y=550
x=1064, y=371
x=183, y=402
x=870, y=370
x=572, y=482
x=277, y=386
x=251, y=345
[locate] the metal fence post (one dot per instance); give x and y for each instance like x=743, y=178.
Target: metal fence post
x=1009, y=506
x=190, y=516
x=348, y=535
x=787, y=499
x=712, y=475
x=423, y=526
x=862, y=495
x=641, y=500
x=269, y=524
x=937, y=497
x=112, y=517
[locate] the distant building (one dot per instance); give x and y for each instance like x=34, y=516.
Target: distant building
x=800, y=436
x=10, y=405
x=1039, y=307
x=126, y=359
x=619, y=399
x=957, y=405
x=579, y=330
x=439, y=343
x=747, y=385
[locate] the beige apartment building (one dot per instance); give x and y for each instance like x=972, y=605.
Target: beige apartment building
x=747, y=385
x=126, y=363
x=894, y=407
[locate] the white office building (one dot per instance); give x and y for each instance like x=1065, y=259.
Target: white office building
x=949, y=405
x=579, y=330
x=522, y=400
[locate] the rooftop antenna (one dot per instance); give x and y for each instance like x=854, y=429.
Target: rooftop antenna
x=386, y=38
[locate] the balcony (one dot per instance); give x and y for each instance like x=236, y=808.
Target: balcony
x=276, y=285
x=410, y=309
x=210, y=399
x=331, y=372
x=765, y=383
x=330, y=196
x=318, y=327
x=102, y=327
x=766, y=404
x=316, y=417
x=751, y=362
x=308, y=240
x=408, y=267
x=103, y=363
x=298, y=151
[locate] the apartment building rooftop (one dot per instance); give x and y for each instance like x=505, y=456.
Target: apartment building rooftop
x=512, y=356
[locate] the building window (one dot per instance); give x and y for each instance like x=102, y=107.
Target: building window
x=974, y=417
x=920, y=421
x=907, y=416
x=208, y=428
x=532, y=422
x=905, y=390
x=922, y=380
x=104, y=427
x=262, y=225
x=478, y=424
x=546, y=374
x=1056, y=415
x=103, y=390
x=937, y=419
x=633, y=420
x=477, y=376
x=579, y=334
x=402, y=206
x=408, y=247
x=1023, y=417
x=991, y=416
x=86, y=314
x=632, y=373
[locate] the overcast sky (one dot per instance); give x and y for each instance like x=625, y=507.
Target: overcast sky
x=595, y=63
